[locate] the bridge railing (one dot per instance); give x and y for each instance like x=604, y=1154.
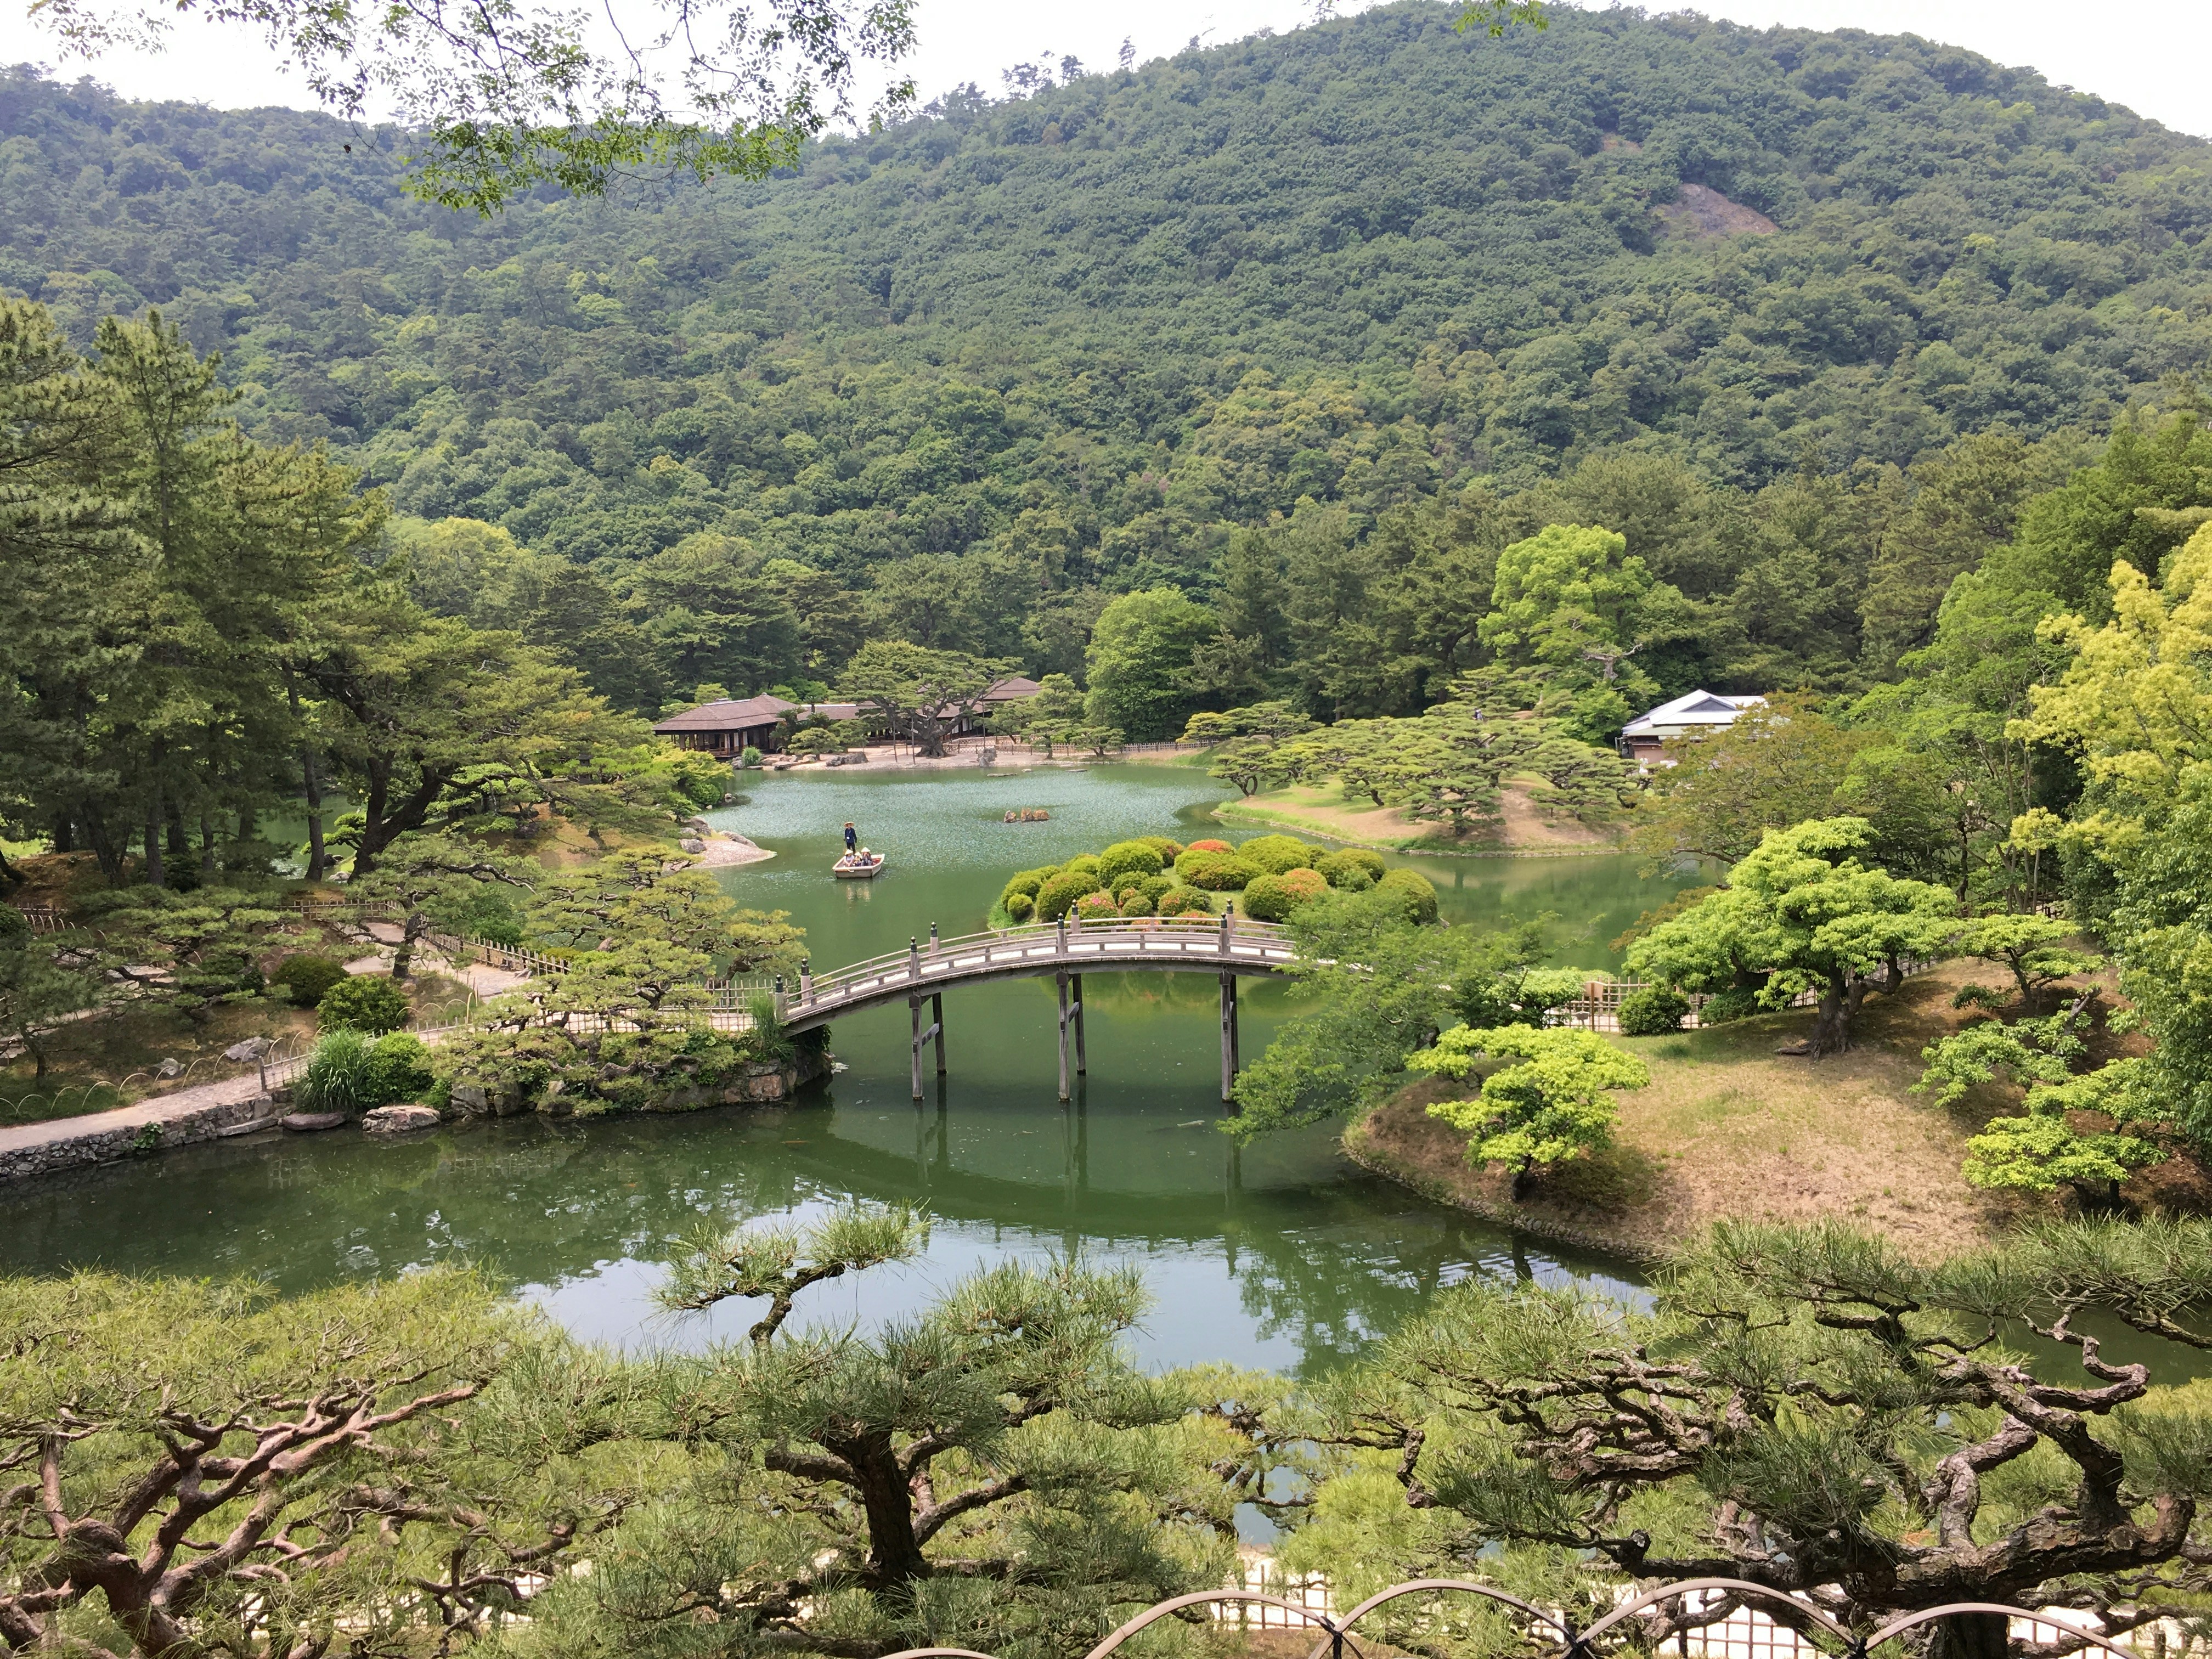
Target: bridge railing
x=1075, y=945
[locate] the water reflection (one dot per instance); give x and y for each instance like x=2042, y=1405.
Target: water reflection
x=1282, y=1255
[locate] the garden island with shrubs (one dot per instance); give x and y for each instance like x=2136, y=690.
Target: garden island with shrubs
x=1265, y=879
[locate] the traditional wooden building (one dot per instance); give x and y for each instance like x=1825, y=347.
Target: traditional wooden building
x=727, y=728
x=1694, y=715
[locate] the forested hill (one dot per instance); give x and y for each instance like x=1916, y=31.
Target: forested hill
x=1087, y=332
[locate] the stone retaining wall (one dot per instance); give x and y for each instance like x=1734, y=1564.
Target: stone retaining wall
x=237, y=1106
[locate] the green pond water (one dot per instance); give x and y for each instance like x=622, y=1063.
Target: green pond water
x=1282, y=1255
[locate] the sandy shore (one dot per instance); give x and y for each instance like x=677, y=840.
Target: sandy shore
x=966, y=754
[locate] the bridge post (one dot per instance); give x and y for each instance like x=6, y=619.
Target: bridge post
x=1228, y=1034
x=780, y=1010
x=913, y=1009
x=913, y=958
x=1060, y=943
x=1062, y=978
x=933, y=938
x=1082, y=1059
x=805, y=983
x=1227, y=917
x=937, y=1022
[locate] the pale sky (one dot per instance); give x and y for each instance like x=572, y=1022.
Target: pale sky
x=2154, y=56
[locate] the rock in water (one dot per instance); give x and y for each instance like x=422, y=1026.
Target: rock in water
x=308, y=1122
x=399, y=1120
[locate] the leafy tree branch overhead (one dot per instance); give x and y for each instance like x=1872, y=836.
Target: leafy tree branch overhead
x=504, y=96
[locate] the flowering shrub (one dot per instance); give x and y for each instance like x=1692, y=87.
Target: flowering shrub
x=1217, y=872
x=1272, y=898
x=1057, y=896
x=1184, y=902
x=1096, y=907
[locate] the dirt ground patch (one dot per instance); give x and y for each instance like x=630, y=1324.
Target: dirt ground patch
x=1728, y=1129
x=1324, y=810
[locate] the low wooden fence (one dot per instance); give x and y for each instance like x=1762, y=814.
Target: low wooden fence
x=1598, y=1007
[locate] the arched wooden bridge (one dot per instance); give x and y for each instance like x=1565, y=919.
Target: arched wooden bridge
x=1227, y=947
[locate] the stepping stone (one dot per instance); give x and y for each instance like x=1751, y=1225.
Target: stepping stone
x=399, y=1120
x=308, y=1122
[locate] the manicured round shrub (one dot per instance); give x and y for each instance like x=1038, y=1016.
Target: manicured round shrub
x=1019, y=906
x=1184, y=902
x=1156, y=887
x=1217, y=872
x=1129, y=858
x=1169, y=850
x=1137, y=904
x=1414, y=891
x=1657, y=1011
x=1058, y=896
x=1028, y=881
x=1733, y=1004
x=1128, y=882
x=1087, y=863
x=364, y=1002
x=1272, y=898
x=1207, y=847
x=1343, y=867
x=1276, y=854
x=305, y=978
x=1096, y=907
x=399, y=1069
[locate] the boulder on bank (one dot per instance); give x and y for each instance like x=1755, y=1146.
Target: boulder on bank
x=399, y=1120
x=304, y=1123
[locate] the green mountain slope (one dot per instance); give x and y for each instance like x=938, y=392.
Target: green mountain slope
x=1089, y=332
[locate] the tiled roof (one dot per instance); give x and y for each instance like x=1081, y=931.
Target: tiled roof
x=730, y=714
x=1007, y=689
x=1692, y=709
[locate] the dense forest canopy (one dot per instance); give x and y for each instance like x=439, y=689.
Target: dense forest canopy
x=1746, y=295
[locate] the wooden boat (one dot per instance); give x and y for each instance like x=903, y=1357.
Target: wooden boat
x=854, y=867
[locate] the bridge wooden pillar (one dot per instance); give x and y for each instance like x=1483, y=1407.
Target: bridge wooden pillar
x=1228, y=1034
x=805, y=983
x=936, y=1030
x=1082, y=1058
x=1061, y=979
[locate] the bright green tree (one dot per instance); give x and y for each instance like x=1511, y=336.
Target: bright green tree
x=1801, y=912
x=1555, y=1105
x=1139, y=661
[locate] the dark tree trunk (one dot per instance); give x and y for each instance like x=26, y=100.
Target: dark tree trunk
x=64, y=832
x=1831, y=1027
x=1972, y=1636
x=179, y=844
x=10, y=875
x=311, y=786
x=1524, y=1182
x=403, y=958
x=207, y=850
x=154, y=875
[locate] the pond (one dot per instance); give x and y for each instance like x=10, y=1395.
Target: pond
x=1282, y=1255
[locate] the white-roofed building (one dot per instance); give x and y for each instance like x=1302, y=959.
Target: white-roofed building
x=1694, y=715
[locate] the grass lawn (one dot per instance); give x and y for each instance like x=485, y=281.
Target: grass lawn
x=1728, y=1128
x=1324, y=810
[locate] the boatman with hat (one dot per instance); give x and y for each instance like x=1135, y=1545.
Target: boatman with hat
x=851, y=838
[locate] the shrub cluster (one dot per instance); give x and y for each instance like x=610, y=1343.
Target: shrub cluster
x=365, y=1002
x=1415, y=891
x=1129, y=879
x=1272, y=898
x=305, y=978
x=349, y=1073
x=1655, y=1011
x=1153, y=876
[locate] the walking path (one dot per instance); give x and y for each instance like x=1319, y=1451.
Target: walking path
x=206, y=1111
